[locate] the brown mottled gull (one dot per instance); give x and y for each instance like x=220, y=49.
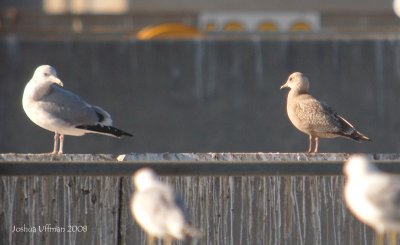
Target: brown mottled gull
x=313, y=117
x=51, y=107
x=373, y=196
x=159, y=210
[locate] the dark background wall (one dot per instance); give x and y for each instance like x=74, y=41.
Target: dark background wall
x=206, y=95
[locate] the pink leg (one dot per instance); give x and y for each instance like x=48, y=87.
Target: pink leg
x=61, y=144
x=55, y=144
x=316, y=144
x=311, y=144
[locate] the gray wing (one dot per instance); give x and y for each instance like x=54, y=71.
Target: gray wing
x=68, y=106
x=320, y=116
x=385, y=195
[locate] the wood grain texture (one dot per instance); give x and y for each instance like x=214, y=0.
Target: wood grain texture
x=229, y=209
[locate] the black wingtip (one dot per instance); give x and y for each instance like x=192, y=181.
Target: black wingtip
x=356, y=136
x=105, y=130
x=126, y=134
x=360, y=137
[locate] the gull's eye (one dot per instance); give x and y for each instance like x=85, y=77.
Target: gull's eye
x=47, y=74
x=290, y=79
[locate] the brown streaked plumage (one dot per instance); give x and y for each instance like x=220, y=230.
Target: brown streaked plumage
x=313, y=117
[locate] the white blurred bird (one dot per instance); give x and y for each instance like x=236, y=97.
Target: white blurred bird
x=373, y=196
x=158, y=210
x=51, y=107
x=396, y=7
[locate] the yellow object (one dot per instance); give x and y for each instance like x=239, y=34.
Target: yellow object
x=168, y=30
x=267, y=27
x=233, y=26
x=211, y=26
x=300, y=26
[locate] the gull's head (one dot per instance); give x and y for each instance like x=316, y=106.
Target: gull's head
x=46, y=74
x=358, y=165
x=297, y=81
x=144, y=178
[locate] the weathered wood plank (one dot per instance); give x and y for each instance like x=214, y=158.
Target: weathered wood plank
x=177, y=164
x=67, y=204
x=229, y=209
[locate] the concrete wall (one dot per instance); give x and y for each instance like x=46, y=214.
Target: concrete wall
x=207, y=95
x=324, y=5
x=178, y=5
x=230, y=210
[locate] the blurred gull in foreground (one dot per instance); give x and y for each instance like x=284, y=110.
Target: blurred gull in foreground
x=396, y=7
x=373, y=196
x=313, y=117
x=158, y=210
x=53, y=108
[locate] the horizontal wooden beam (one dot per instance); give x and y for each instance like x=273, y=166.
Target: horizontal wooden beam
x=168, y=168
x=179, y=168
x=189, y=164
